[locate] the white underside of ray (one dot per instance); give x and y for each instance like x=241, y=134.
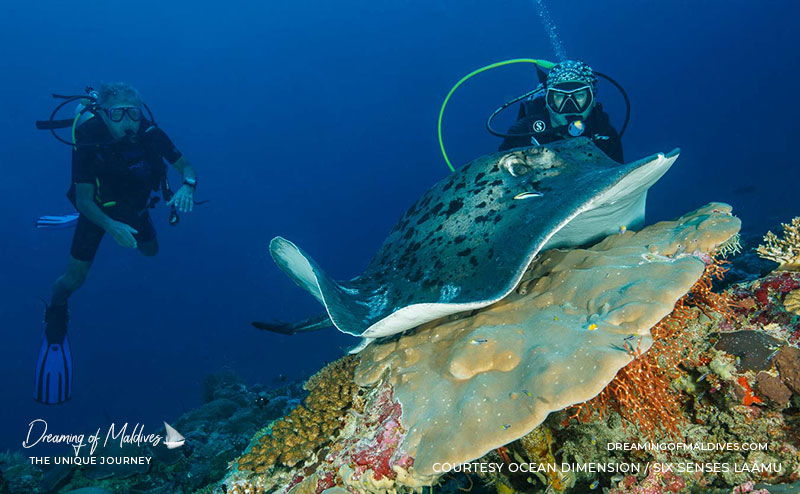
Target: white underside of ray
x=622, y=204
x=296, y=263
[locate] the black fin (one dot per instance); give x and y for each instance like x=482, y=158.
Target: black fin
x=304, y=326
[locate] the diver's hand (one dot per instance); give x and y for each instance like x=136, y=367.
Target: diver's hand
x=183, y=199
x=123, y=234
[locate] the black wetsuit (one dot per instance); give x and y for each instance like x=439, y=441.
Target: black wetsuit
x=534, y=117
x=124, y=173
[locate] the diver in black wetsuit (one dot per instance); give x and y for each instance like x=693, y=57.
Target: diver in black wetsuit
x=117, y=161
x=568, y=109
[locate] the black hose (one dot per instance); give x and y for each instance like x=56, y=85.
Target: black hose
x=529, y=134
x=501, y=109
x=627, y=101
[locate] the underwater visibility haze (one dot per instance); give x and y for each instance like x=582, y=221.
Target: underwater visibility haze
x=468, y=306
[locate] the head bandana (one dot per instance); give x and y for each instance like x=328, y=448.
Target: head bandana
x=572, y=71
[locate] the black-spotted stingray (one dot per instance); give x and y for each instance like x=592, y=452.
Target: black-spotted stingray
x=468, y=240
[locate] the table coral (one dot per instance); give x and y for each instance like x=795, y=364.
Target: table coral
x=785, y=251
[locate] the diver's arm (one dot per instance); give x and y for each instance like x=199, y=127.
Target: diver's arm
x=84, y=200
x=187, y=170
x=184, y=197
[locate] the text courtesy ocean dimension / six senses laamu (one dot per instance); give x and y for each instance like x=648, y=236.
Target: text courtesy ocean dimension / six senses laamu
x=624, y=468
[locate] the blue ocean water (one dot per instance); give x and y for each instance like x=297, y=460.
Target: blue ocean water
x=317, y=121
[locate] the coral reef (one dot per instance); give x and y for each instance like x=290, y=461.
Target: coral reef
x=760, y=304
x=792, y=301
x=309, y=426
x=741, y=392
x=642, y=392
x=363, y=456
x=675, y=362
x=501, y=371
x=785, y=251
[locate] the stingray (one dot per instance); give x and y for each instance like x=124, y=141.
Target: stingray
x=466, y=243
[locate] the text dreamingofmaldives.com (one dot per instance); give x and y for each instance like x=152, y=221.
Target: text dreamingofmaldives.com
x=650, y=446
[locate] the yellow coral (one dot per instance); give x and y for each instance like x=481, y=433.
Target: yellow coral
x=537, y=445
x=785, y=251
x=792, y=301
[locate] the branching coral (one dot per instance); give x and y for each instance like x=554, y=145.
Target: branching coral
x=785, y=251
x=308, y=426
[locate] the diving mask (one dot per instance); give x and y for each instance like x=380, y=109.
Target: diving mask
x=569, y=98
x=117, y=113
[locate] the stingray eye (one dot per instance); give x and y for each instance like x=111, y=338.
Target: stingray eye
x=514, y=164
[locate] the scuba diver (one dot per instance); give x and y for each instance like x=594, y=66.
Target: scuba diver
x=117, y=161
x=568, y=109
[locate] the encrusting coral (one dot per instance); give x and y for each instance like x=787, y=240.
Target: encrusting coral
x=499, y=372
x=642, y=391
x=785, y=251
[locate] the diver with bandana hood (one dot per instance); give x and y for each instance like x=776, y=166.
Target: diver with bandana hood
x=568, y=108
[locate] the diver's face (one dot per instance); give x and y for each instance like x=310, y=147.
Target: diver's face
x=569, y=100
x=558, y=120
x=122, y=118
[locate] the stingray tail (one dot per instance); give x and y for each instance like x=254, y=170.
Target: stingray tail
x=305, y=326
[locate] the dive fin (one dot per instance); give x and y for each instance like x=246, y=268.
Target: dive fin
x=57, y=222
x=289, y=328
x=53, y=374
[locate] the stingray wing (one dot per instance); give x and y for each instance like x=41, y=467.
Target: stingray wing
x=468, y=240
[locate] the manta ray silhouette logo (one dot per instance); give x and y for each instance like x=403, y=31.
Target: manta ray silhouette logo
x=539, y=126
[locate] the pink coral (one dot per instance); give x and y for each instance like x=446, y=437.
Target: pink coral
x=747, y=488
x=371, y=450
x=375, y=449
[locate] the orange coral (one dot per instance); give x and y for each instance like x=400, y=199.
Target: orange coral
x=641, y=391
x=749, y=396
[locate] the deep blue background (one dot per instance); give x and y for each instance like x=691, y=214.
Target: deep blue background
x=317, y=121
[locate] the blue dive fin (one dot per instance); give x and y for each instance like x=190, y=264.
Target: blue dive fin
x=53, y=374
x=57, y=222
